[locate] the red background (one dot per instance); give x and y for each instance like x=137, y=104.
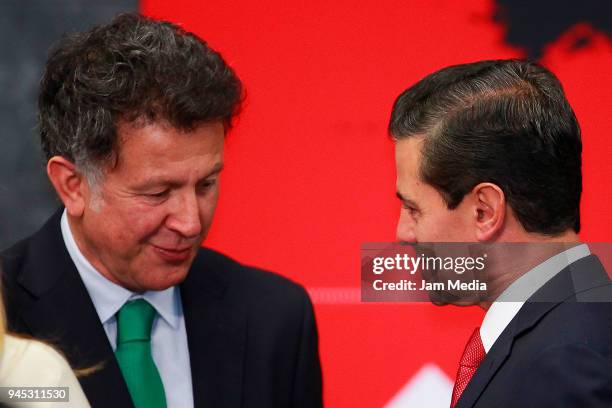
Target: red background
x=309, y=169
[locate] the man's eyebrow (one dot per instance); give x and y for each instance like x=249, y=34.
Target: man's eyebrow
x=406, y=200
x=163, y=181
x=213, y=172
x=216, y=169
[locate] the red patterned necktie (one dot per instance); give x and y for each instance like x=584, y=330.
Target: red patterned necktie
x=470, y=360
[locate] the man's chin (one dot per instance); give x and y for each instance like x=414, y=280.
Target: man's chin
x=163, y=277
x=164, y=282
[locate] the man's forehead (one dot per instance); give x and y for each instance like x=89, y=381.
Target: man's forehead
x=408, y=156
x=126, y=128
x=159, y=147
x=160, y=135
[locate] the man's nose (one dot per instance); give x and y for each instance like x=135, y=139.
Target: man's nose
x=405, y=227
x=185, y=217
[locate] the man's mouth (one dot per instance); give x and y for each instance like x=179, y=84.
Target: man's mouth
x=173, y=254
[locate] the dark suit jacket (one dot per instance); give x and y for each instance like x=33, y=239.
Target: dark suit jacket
x=557, y=351
x=252, y=335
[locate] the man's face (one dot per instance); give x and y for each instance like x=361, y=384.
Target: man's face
x=424, y=216
x=144, y=226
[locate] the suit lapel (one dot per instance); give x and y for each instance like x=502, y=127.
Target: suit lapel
x=216, y=334
x=581, y=275
x=498, y=355
x=62, y=313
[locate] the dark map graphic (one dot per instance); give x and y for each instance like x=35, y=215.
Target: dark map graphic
x=532, y=25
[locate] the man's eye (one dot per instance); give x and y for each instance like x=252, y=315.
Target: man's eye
x=160, y=194
x=411, y=210
x=207, y=185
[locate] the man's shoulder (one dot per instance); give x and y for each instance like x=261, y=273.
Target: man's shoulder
x=41, y=242
x=42, y=251
x=14, y=259
x=17, y=251
x=579, y=316
x=588, y=315
x=588, y=311
x=582, y=322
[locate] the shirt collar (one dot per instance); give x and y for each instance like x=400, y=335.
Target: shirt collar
x=107, y=296
x=502, y=311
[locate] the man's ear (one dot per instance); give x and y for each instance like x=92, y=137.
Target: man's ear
x=490, y=211
x=70, y=185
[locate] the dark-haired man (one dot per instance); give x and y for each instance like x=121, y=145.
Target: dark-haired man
x=490, y=152
x=133, y=116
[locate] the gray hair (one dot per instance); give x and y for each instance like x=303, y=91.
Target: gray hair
x=129, y=70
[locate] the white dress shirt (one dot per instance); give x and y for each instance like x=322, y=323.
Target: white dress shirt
x=502, y=311
x=168, y=335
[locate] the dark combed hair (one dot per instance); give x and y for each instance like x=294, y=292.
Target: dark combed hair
x=130, y=69
x=507, y=122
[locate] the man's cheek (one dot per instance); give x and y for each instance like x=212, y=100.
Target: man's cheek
x=206, y=215
x=142, y=223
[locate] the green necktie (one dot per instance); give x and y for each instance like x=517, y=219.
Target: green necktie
x=134, y=321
